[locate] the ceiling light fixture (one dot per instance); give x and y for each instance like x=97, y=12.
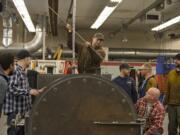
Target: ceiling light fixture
x=22, y=9
x=107, y=11
x=167, y=24
x=118, y=1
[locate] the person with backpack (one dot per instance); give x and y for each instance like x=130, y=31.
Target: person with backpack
x=149, y=82
x=6, y=69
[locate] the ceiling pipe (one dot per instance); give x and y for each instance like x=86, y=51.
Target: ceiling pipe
x=128, y=53
x=54, y=4
x=7, y=32
x=36, y=43
x=139, y=54
x=69, y=16
x=32, y=46
x=139, y=15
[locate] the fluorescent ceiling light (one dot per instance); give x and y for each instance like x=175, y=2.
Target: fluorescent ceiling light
x=107, y=11
x=21, y=7
x=102, y=17
x=118, y=1
x=167, y=24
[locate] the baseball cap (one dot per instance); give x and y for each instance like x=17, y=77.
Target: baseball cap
x=99, y=36
x=124, y=66
x=22, y=54
x=177, y=57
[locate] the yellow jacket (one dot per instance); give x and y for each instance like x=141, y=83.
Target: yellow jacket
x=173, y=90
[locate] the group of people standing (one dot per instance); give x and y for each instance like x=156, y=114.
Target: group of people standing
x=147, y=97
x=15, y=92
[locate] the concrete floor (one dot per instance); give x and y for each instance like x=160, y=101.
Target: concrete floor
x=3, y=127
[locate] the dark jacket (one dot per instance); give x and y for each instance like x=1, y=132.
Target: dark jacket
x=173, y=91
x=146, y=85
x=3, y=87
x=88, y=58
x=128, y=85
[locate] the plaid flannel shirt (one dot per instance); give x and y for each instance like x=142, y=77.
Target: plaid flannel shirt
x=156, y=116
x=18, y=99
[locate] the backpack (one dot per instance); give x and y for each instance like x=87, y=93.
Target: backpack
x=142, y=90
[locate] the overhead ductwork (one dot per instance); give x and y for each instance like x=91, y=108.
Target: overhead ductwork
x=132, y=53
x=7, y=32
x=34, y=45
x=140, y=14
x=139, y=54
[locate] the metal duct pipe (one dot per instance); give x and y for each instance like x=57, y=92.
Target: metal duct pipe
x=138, y=54
x=140, y=14
x=34, y=45
x=7, y=31
x=132, y=54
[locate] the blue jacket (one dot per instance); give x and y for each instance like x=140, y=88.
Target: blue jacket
x=128, y=85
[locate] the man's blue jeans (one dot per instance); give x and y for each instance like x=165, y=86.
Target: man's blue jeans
x=12, y=129
x=157, y=133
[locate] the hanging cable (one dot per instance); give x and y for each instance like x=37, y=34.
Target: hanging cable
x=66, y=23
x=74, y=34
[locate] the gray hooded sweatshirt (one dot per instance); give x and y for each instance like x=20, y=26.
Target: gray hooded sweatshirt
x=3, y=87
